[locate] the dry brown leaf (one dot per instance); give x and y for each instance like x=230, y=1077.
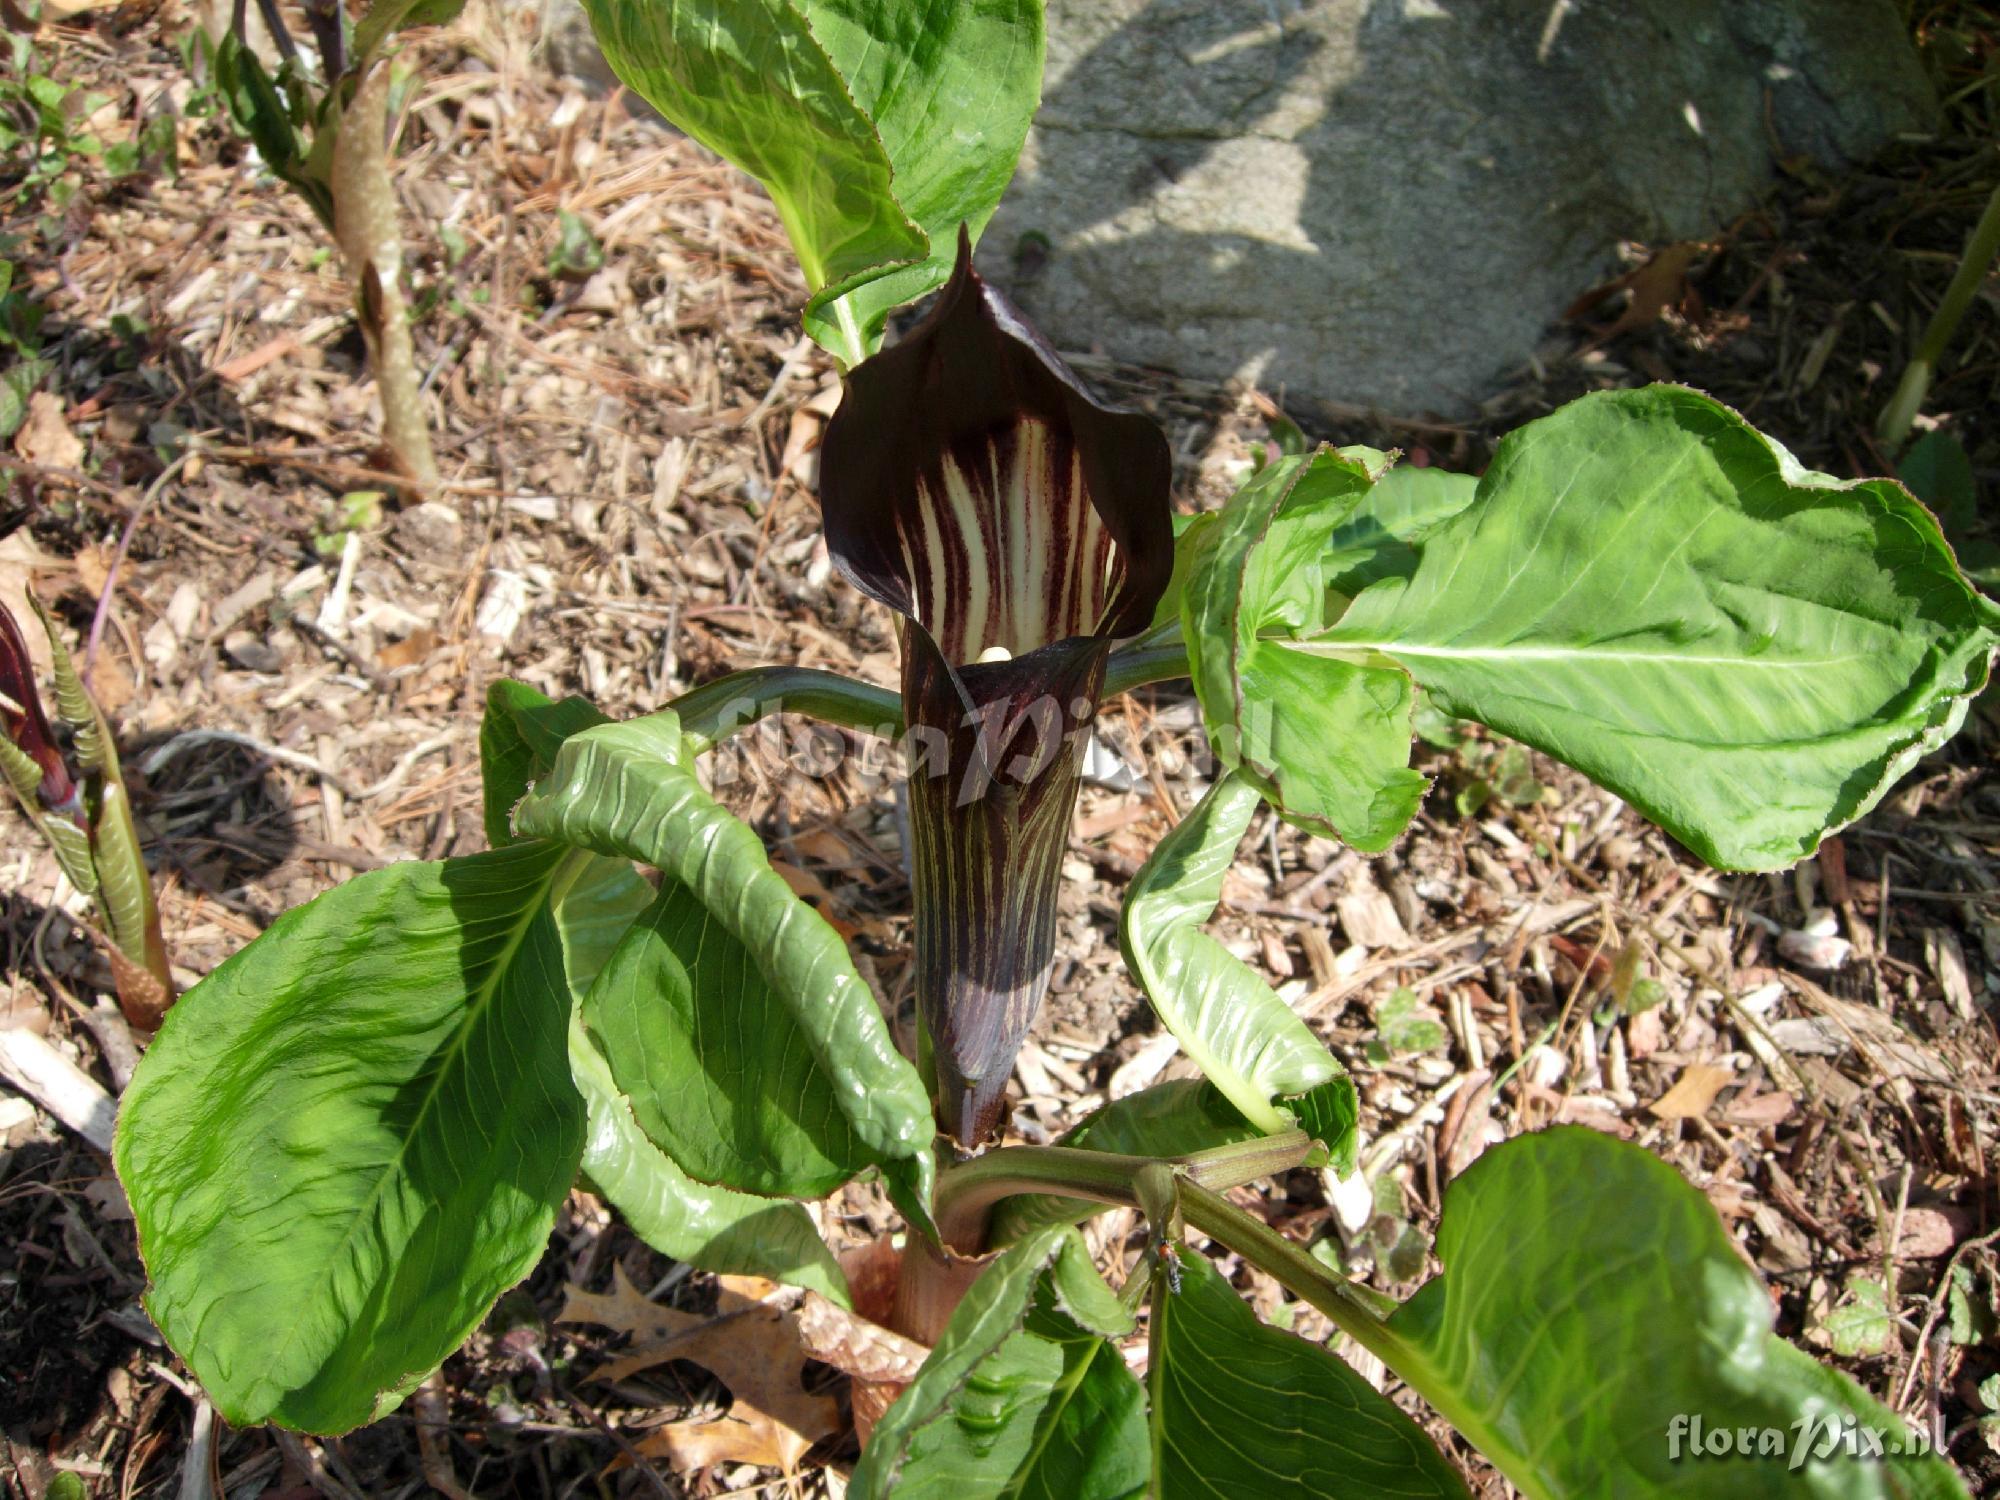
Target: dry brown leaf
x=1660, y=283
x=1760, y=1113
x=45, y=437
x=810, y=889
x=410, y=650
x=1693, y=1092
x=752, y=1347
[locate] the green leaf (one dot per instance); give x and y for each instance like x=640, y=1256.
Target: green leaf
x=877, y=127
x=1652, y=591
x=1591, y=1307
x=387, y=17
x=1381, y=537
x=1863, y=1323
x=1938, y=471
x=518, y=739
x=623, y=789
x=951, y=89
x=1090, y=1440
x=1402, y=1026
x=971, y=1424
x=710, y=1227
x=718, y=1070
x=576, y=253
x=354, y=1135
x=1245, y=1039
x=706, y=1226
x=1329, y=749
x=1243, y=1410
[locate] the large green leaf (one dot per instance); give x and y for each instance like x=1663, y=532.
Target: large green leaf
x=878, y=126
x=713, y=1062
x=710, y=1227
x=1244, y=1410
x=623, y=789
x=1649, y=589
x=1245, y=1039
x=1330, y=749
x=1591, y=1307
x=994, y=1409
x=952, y=87
x=353, y=1136
x=1381, y=537
x=714, y=1228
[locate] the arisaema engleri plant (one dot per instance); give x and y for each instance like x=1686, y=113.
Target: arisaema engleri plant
x=354, y=1136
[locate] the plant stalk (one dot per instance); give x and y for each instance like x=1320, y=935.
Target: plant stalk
x=366, y=224
x=1893, y=427
x=712, y=712
x=966, y=1194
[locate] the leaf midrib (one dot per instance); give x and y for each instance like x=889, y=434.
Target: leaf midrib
x=561, y=873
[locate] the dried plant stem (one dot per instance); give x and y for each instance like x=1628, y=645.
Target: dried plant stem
x=365, y=222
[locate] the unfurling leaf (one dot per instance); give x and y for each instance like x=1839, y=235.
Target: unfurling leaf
x=1246, y=1041
x=625, y=790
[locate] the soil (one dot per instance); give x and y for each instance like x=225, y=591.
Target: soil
x=295, y=654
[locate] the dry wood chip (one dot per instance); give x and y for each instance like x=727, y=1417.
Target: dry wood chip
x=1693, y=1092
x=1369, y=919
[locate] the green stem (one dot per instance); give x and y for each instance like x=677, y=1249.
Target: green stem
x=712, y=712
x=1138, y=665
x=966, y=1194
x=1901, y=411
x=1354, y=1311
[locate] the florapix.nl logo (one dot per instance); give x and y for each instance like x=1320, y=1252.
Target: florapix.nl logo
x=1822, y=1438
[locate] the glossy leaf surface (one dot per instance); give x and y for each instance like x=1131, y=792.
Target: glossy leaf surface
x=1245, y=1040
x=710, y=1227
x=713, y=1063
x=977, y=1420
x=1330, y=749
x=353, y=1136
x=1652, y=591
x=714, y=1228
x=622, y=789
x=1242, y=1411
x=1381, y=536
x=877, y=127
x=519, y=735
x=1590, y=1296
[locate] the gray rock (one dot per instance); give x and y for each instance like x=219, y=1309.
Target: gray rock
x=1385, y=202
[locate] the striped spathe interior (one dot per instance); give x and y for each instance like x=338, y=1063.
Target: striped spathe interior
x=972, y=485
x=1005, y=549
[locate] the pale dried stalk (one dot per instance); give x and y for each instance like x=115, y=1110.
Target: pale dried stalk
x=365, y=222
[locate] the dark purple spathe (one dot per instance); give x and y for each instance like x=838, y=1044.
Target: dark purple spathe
x=970, y=483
